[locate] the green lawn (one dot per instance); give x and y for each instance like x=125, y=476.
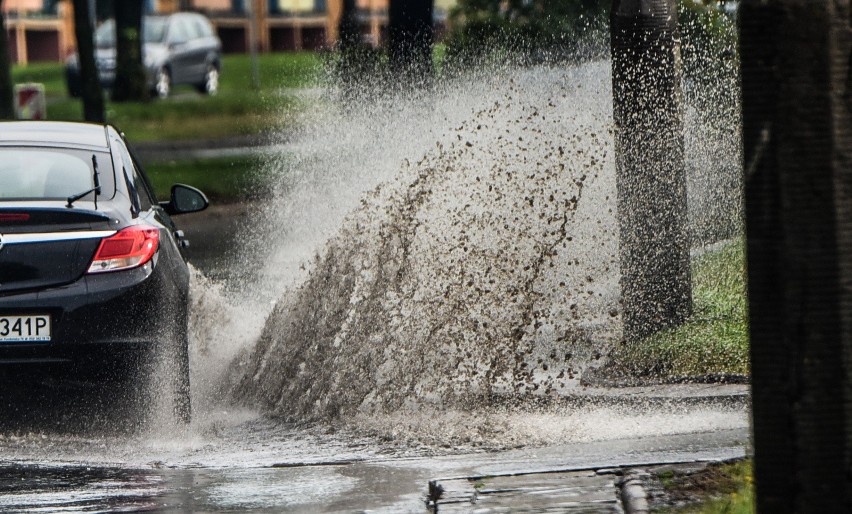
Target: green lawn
x=223, y=179
x=237, y=109
x=715, y=338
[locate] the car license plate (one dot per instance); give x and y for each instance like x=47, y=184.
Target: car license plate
x=24, y=328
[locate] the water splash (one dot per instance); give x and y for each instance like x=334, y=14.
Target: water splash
x=486, y=267
x=453, y=248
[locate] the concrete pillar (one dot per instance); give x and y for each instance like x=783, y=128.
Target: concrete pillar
x=797, y=142
x=376, y=30
x=260, y=11
x=334, y=10
x=297, y=35
x=21, y=43
x=67, y=41
x=167, y=6
x=650, y=174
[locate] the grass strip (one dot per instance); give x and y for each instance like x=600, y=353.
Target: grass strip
x=237, y=109
x=719, y=489
x=714, y=340
x=223, y=179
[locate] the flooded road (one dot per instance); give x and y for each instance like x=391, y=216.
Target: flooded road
x=67, y=449
x=289, y=471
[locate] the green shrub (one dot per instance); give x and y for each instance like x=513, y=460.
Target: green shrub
x=525, y=31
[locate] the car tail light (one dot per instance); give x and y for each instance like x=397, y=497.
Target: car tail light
x=128, y=248
x=14, y=216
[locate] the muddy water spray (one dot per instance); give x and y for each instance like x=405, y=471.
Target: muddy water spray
x=450, y=250
x=485, y=266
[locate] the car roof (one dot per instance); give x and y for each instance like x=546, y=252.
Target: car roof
x=54, y=133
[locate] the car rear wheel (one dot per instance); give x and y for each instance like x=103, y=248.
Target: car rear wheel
x=163, y=83
x=210, y=85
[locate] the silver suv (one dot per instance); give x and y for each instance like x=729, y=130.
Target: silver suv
x=180, y=48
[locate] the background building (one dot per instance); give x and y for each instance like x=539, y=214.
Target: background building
x=43, y=30
x=39, y=30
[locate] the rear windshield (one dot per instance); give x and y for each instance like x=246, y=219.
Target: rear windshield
x=28, y=173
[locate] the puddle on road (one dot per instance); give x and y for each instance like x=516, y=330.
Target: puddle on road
x=391, y=485
x=314, y=489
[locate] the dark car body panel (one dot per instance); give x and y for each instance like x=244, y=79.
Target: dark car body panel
x=23, y=266
x=96, y=317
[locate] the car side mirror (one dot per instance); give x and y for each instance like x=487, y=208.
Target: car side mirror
x=185, y=199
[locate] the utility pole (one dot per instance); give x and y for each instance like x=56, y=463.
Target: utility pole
x=656, y=285
x=797, y=146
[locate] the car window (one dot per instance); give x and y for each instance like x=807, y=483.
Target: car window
x=145, y=194
x=140, y=193
x=29, y=173
x=142, y=177
x=154, y=29
x=118, y=164
x=105, y=34
x=203, y=27
x=193, y=28
x=178, y=31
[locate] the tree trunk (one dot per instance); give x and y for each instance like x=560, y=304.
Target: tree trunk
x=656, y=281
x=130, y=80
x=410, y=36
x=797, y=145
x=90, y=84
x=349, y=31
x=7, y=93
x=358, y=64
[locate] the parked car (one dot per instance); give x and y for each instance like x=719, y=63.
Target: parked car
x=180, y=48
x=92, y=280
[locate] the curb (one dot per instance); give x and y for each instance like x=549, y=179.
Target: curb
x=733, y=396
x=615, y=489
x=633, y=495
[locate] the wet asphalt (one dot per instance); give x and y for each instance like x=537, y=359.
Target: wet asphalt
x=70, y=448
x=70, y=474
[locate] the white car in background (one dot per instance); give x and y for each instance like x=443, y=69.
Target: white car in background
x=180, y=48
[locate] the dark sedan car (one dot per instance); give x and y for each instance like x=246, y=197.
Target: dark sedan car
x=180, y=48
x=92, y=280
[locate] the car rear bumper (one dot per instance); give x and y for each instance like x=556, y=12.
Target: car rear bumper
x=100, y=320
